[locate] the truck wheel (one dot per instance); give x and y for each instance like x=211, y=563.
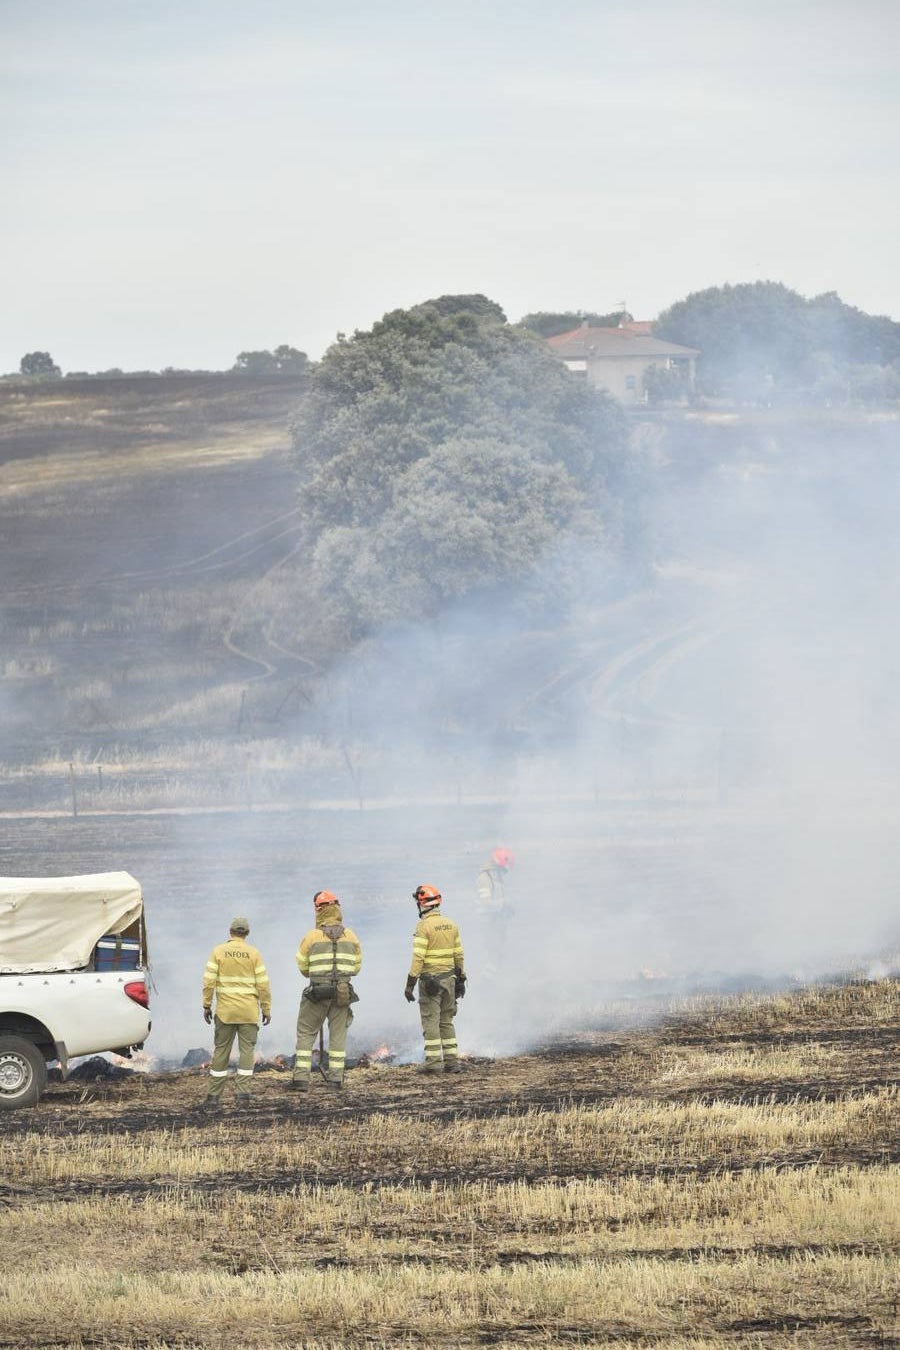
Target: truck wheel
x=23, y=1073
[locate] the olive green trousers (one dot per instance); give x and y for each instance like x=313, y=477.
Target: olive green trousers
x=437, y=1012
x=310, y=1019
x=225, y=1033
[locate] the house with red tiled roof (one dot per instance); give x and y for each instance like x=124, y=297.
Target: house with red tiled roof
x=618, y=359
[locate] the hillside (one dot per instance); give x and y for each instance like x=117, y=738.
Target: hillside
x=141, y=415
x=136, y=515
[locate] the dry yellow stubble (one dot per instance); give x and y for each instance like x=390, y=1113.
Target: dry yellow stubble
x=467, y=1224
x=626, y=1135
x=637, y=1295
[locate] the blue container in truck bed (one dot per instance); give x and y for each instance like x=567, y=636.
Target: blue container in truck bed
x=117, y=953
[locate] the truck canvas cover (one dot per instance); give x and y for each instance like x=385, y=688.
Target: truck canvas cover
x=53, y=923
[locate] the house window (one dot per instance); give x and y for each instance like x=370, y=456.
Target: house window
x=630, y=382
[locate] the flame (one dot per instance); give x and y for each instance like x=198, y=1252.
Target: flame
x=382, y=1054
x=278, y=1062
x=138, y=1060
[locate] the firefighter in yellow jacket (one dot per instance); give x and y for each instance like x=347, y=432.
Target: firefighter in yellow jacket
x=328, y=955
x=236, y=975
x=438, y=966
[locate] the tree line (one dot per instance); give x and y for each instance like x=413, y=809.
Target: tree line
x=758, y=342
x=762, y=342
x=281, y=360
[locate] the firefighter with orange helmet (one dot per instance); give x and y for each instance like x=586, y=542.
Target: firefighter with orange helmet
x=328, y=956
x=438, y=967
x=491, y=886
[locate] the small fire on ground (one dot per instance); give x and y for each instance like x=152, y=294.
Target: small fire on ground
x=138, y=1060
x=380, y=1057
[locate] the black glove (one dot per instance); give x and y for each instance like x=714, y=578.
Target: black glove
x=266, y=1019
x=459, y=989
x=207, y=1015
x=408, y=993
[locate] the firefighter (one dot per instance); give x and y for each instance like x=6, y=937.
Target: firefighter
x=491, y=885
x=328, y=955
x=235, y=973
x=437, y=964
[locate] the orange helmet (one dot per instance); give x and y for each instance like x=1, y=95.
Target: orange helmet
x=426, y=897
x=502, y=857
x=324, y=898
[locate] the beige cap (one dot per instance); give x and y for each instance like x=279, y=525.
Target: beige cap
x=239, y=925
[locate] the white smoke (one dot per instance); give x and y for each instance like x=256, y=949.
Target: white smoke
x=742, y=739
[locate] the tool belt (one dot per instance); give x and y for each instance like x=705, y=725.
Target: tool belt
x=340, y=992
x=431, y=984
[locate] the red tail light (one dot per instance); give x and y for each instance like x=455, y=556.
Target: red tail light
x=137, y=990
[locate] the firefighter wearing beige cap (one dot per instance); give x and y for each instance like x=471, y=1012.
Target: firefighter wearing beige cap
x=236, y=975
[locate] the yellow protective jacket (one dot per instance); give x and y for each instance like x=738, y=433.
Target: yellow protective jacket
x=490, y=885
x=437, y=948
x=323, y=960
x=235, y=973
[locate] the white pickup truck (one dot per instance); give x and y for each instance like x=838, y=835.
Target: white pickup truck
x=73, y=975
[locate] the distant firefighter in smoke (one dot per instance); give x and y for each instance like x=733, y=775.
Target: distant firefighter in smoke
x=491, y=885
x=328, y=955
x=236, y=976
x=438, y=966
x=494, y=904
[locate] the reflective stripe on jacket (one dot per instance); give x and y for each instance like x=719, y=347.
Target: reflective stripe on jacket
x=236, y=975
x=321, y=959
x=436, y=946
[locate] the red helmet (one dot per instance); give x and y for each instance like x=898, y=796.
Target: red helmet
x=502, y=857
x=324, y=898
x=426, y=897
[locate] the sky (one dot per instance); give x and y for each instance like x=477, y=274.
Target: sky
x=184, y=182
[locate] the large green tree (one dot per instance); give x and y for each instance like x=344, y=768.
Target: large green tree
x=445, y=451
x=39, y=363
x=761, y=340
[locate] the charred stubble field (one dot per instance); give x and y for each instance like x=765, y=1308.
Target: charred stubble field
x=730, y=1177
